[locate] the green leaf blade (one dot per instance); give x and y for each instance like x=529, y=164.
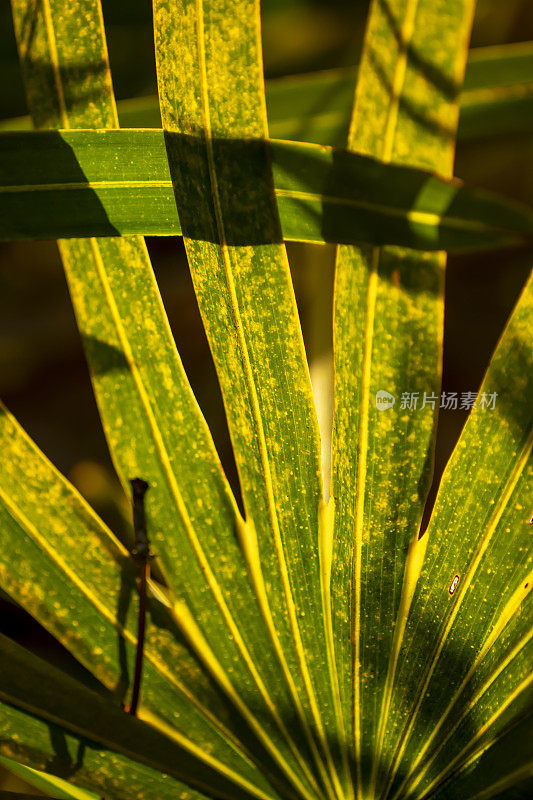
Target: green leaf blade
x=388, y=339
x=93, y=742
x=75, y=183
x=77, y=564
x=244, y=290
x=480, y=634
x=153, y=424
x=497, y=99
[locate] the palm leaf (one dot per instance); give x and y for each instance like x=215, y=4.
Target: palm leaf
x=473, y=661
x=405, y=111
x=497, y=99
x=260, y=635
x=145, y=435
x=245, y=291
x=73, y=183
x=82, y=732
x=59, y=788
x=82, y=570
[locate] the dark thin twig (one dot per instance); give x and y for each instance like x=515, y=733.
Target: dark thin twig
x=141, y=554
x=144, y=574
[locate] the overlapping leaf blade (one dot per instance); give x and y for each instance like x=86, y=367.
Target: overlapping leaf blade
x=388, y=341
x=72, y=183
x=151, y=419
x=497, y=98
x=79, y=582
x=83, y=733
x=211, y=90
x=272, y=654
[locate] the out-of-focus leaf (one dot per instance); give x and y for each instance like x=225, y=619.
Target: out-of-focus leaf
x=497, y=99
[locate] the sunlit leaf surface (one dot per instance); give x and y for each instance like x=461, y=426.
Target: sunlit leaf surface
x=388, y=320
x=302, y=649
x=71, y=183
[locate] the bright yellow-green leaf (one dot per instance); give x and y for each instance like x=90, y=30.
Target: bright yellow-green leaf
x=307, y=651
x=211, y=91
x=52, y=785
x=388, y=318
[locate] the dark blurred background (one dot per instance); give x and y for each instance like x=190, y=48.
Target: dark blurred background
x=44, y=379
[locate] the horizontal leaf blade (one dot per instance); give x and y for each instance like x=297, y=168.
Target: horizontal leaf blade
x=108, y=182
